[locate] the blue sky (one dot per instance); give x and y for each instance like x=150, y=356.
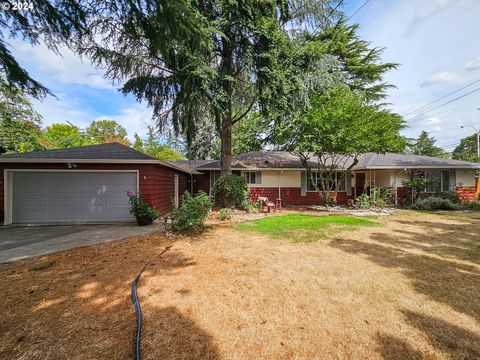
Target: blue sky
x=435, y=41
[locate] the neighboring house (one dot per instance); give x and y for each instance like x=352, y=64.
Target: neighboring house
x=281, y=175
x=85, y=184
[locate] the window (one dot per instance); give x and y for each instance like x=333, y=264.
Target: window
x=338, y=176
x=439, y=181
x=253, y=177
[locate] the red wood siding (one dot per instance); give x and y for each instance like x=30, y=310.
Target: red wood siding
x=466, y=193
x=292, y=196
x=156, y=182
x=201, y=182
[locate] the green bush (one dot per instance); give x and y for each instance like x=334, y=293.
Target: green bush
x=471, y=205
x=224, y=214
x=230, y=191
x=250, y=207
x=379, y=198
x=193, y=212
x=139, y=208
x=434, y=203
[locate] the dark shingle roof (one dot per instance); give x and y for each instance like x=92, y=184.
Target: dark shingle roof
x=286, y=160
x=189, y=165
x=392, y=160
x=111, y=151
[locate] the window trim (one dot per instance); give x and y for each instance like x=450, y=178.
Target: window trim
x=247, y=175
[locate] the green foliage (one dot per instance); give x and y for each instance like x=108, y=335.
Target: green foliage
x=248, y=134
x=153, y=147
x=357, y=59
x=224, y=214
x=378, y=198
x=250, y=207
x=60, y=136
x=53, y=23
x=99, y=132
x=467, y=149
x=471, y=205
x=139, y=208
x=304, y=228
x=208, y=62
x=230, y=190
x=339, y=125
x=19, y=122
x=425, y=145
x=415, y=183
x=434, y=203
x=193, y=212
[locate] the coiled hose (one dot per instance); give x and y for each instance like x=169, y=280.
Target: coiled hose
x=136, y=305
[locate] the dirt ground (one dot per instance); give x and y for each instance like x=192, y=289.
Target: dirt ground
x=406, y=290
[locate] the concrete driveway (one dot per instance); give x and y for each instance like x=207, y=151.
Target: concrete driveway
x=20, y=242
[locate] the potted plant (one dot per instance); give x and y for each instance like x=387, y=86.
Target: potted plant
x=143, y=212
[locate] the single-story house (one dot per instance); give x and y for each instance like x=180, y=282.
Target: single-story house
x=85, y=184
x=88, y=184
x=281, y=175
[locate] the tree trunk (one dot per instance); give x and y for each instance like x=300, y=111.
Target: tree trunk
x=226, y=146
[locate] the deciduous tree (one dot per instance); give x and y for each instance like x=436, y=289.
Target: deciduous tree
x=340, y=125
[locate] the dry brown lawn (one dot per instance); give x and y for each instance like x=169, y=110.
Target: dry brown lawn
x=409, y=289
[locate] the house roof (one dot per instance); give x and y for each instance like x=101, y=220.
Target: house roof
x=103, y=153
x=190, y=165
x=287, y=160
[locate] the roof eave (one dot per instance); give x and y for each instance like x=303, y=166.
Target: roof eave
x=96, y=161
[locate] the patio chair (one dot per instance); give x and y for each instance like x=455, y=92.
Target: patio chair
x=266, y=204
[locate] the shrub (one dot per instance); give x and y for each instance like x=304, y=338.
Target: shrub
x=230, y=191
x=139, y=208
x=434, y=203
x=193, y=212
x=224, y=214
x=471, y=205
x=379, y=197
x=250, y=207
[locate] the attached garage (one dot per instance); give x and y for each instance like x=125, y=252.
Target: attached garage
x=57, y=197
x=85, y=185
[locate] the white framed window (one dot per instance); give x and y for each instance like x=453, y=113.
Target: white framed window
x=439, y=181
x=334, y=178
x=253, y=177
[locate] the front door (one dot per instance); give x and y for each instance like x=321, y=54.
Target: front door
x=359, y=184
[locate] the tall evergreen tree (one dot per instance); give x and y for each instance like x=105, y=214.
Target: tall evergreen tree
x=51, y=22
x=425, y=145
x=217, y=60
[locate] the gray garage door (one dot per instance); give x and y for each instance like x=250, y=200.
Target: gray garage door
x=57, y=197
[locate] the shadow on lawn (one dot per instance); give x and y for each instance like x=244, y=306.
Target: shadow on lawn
x=442, y=261
x=455, y=342
x=174, y=336
x=76, y=304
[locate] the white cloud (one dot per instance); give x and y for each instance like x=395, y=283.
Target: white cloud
x=134, y=117
x=443, y=77
x=473, y=64
x=432, y=41
x=432, y=120
x=65, y=67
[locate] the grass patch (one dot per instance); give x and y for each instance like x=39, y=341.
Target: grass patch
x=304, y=228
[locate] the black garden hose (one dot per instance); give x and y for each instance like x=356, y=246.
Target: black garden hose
x=136, y=305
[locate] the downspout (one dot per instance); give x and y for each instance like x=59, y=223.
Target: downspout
x=279, y=188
